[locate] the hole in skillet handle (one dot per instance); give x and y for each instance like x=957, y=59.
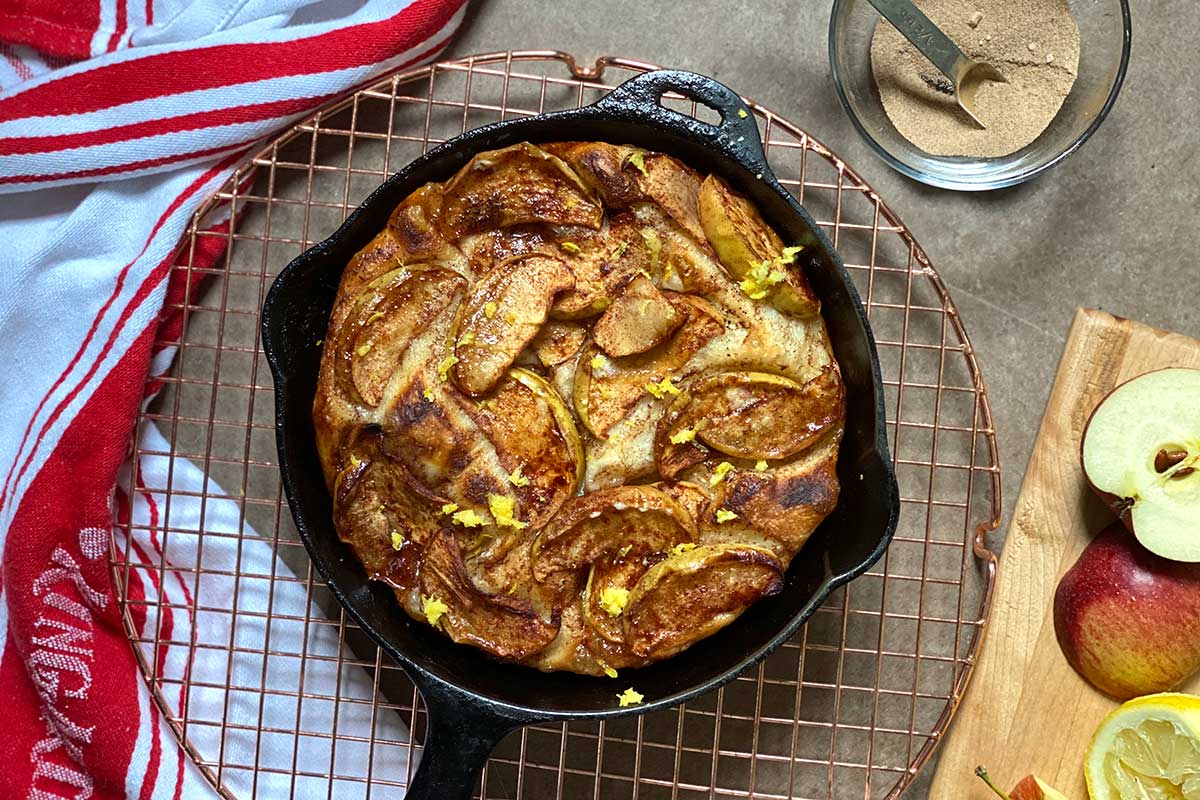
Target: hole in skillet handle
x=736, y=135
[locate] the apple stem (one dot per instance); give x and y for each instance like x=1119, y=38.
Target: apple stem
x=982, y=773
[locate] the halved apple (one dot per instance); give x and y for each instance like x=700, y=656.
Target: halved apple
x=387, y=316
x=714, y=583
x=514, y=186
x=641, y=516
x=1141, y=453
x=754, y=415
x=639, y=318
x=743, y=241
x=607, y=388
x=502, y=625
x=504, y=312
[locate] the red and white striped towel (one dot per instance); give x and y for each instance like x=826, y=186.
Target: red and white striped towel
x=117, y=119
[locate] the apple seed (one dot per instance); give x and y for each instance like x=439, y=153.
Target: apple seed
x=1168, y=458
x=1183, y=473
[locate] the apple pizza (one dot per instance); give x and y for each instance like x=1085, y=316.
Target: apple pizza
x=577, y=406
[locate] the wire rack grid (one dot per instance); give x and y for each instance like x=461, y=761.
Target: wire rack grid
x=271, y=688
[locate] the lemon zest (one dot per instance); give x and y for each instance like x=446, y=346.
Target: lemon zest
x=599, y=362
x=725, y=515
x=618, y=250
x=760, y=465
x=789, y=254
x=742, y=113
x=502, y=509
x=363, y=349
x=653, y=243
x=570, y=247
x=397, y=540
x=320, y=342
x=428, y=394
x=685, y=435
x=444, y=367
x=466, y=339
x=354, y=461
x=682, y=548
x=630, y=697
x=723, y=469
x=638, y=159
x=468, y=518
x=613, y=600
x=609, y=671
x=662, y=388
x=517, y=479
x=433, y=609
x=761, y=279
x=624, y=551
x=489, y=309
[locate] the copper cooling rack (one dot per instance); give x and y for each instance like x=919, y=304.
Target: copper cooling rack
x=853, y=706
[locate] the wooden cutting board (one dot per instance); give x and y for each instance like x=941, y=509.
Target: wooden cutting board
x=1026, y=710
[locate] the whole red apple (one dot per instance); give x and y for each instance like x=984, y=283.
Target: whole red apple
x=1127, y=620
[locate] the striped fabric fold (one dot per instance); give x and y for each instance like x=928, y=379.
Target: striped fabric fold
x=118, y=119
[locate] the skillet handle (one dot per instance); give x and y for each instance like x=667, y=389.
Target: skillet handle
x=461, y=733
x=736, y=134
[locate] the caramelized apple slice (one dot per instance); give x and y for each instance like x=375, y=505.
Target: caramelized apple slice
x=514, y=186
x=640, y=318
x=487, y=250
x=675, y=187
x=414, y=227
x=610, y=581
x=505, y=311
x=743, y=241
x=384, y=321
x=641, y=516
x=754, y=415
x=537, y=444
x=785, y=503
x=714, y=583
x=502, y=625
x=607, y=388
x=374, y=509
x=557, y=342
x=602, y=262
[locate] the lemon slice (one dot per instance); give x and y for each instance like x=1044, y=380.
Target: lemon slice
x=1148, y=749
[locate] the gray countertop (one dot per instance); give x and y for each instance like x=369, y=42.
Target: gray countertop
x=1112, y=227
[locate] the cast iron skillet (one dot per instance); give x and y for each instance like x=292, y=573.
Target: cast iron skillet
x=472, y=700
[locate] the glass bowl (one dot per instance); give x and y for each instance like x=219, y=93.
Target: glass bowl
x=1104, y=29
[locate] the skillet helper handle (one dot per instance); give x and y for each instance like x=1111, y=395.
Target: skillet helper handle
x=736, y=134
x=460, y=735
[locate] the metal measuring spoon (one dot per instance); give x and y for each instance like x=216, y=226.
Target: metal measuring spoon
x=964, y=73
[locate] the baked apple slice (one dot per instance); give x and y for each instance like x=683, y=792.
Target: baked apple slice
x=514, y=186
x=610, y=581
x=383, y=322
x=1141, y=453
x=639, y=318
x=536, y=443
x=558, y=341
x=606, y=389
x=642, y=517
x=502, y=625
x=602, y=262
x=751, y=251
x=504, y=312
x=414, y=227
x=753, y=415
x=713, y=583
